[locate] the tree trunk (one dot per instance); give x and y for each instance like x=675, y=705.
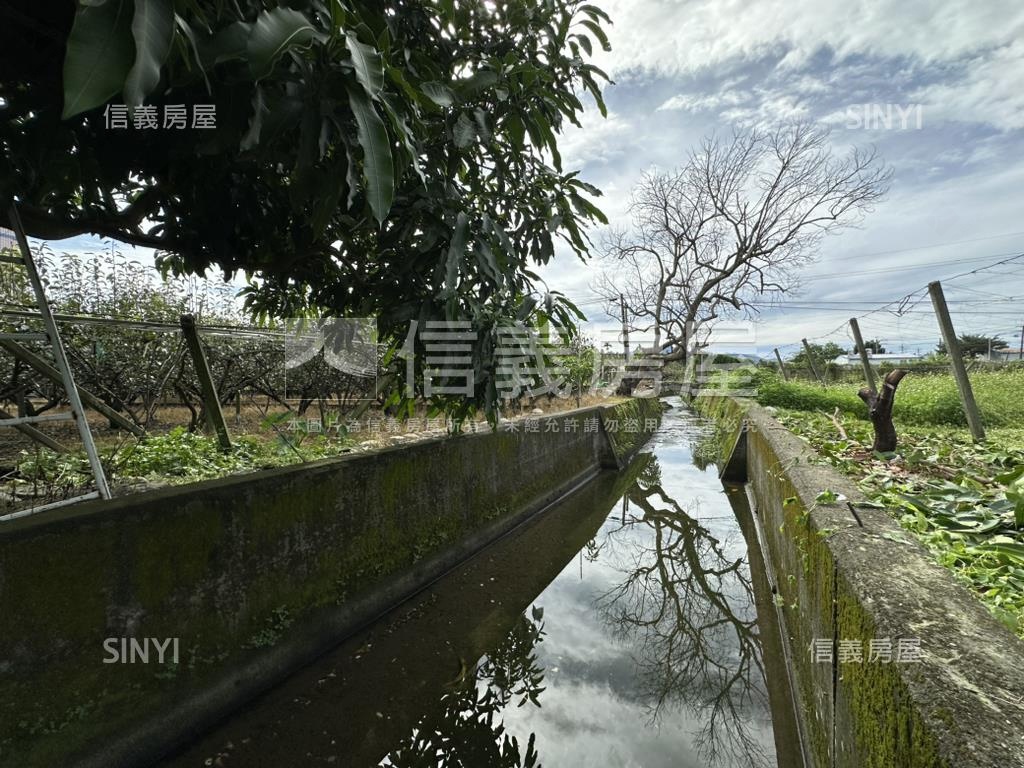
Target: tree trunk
x=880, y=411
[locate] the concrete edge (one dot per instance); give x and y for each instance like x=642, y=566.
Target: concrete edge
x=852, y=573
x=100, y=510
x=166, y=731
x=184, y=716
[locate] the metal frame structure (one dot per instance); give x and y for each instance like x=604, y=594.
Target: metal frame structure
x=52, y=335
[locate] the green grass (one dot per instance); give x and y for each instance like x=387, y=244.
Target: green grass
x=922, y=399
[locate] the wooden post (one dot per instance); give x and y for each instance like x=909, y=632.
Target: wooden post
x=869, y=372
x=957, y=361
x=810, y=361
x=782, y=366
x=211, y=403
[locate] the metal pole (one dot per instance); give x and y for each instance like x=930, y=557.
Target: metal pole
x=956, y=360
x=60, y=357
x=810, y=361
x=869, y=372
x=782, y=366
x=214, y=415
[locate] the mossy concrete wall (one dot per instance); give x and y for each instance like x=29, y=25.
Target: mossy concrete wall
x=254, y=575
x=849, y=574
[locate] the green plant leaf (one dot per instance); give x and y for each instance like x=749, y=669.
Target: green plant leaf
x=230, y=42
x=464, y=132
x=368, y=64
x=456, y=251
x=273, y=33
x=378, y=166
x=440, y=94
x=153, y=32
x=99, y=55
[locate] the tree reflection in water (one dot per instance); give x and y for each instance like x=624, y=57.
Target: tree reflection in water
x=687, y=610
x=466, y=730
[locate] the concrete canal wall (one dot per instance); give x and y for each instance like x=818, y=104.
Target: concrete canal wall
x=252, y=576
x=851, y=578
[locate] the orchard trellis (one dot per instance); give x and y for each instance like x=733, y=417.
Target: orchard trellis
x=880, y=401
x=121, y=323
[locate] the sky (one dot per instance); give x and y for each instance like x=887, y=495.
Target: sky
x=950, y=75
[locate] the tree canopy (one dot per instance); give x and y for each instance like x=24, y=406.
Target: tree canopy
x=873, y=346
x=975, y=345
x=396, y=159
x=822, y=353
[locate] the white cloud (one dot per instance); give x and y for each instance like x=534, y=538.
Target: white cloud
x=680, y=37
x=989, y=92
x=600, y=140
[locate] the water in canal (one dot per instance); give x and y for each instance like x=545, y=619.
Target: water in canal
x=620, y=629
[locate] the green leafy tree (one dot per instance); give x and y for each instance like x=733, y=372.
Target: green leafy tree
x=822, y=354
x=975, y=346
x=396, y=159
x=873, y=346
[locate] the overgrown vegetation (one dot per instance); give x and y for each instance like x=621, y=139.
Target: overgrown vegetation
x=964, y=500
x=177, y=457
x=924, y=399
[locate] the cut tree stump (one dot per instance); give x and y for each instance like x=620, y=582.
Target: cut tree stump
x=880, y=411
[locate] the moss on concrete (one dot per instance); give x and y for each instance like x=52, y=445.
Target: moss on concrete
x=218, y=564
x=848, y=575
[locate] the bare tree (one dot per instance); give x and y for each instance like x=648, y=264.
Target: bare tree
x=730, y=227
x=684, y=605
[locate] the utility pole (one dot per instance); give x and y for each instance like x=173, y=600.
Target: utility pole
x=782, y=366
x=957, y=361
x=625, y=331
x=810, y=361
x=1020, y=355
x=869, y=372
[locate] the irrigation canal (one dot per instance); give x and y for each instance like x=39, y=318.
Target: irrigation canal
x=629, y=626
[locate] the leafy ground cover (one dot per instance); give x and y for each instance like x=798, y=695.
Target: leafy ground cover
x=260, y=440
x=964, y=500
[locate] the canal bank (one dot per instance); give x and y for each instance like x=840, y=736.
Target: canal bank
x=255, y=576
x=858, y=593
x=622, y=627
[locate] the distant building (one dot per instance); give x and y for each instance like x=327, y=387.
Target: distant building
x=896, y=358
x=1002, y=355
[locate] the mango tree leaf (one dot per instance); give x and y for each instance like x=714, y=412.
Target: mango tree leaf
x=99, y=56
x=153, y=31
x=368, y=64
x=378, y=167
x=438, y=93
x=456, y=251
x=273, y=33
x=596, y=30
x=228, y=43
x=464, y=132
